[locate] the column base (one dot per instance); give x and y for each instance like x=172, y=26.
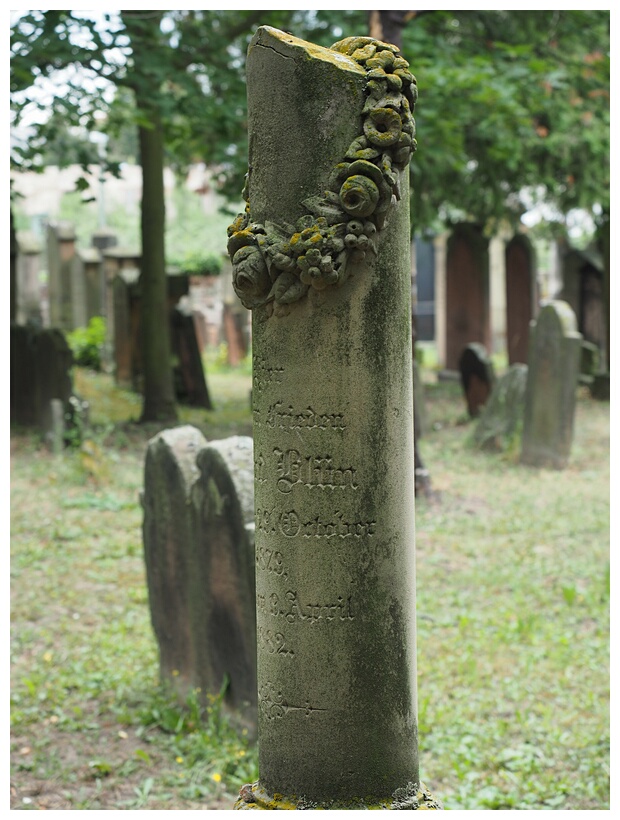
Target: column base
x=253, y=796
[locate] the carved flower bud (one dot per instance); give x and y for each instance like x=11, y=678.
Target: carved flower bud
x=359, y=195
x=355, y=226
x=313, y=256
x=351, y=240
x=383, y=127
x=369, y=228
x=250, y=276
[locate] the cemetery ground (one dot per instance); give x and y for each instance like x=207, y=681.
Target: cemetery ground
x=513, y=621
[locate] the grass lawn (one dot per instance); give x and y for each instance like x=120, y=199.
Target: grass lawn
x=513, y=622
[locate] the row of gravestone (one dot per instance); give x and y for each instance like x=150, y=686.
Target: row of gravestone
x=198, y=535
x=537, y=401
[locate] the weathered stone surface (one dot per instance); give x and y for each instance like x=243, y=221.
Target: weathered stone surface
x=501, y=420
x=477, y=377
x=553, y=371
x=333, y=421
x=198, y=536
x=171, y=554
x=222, y=590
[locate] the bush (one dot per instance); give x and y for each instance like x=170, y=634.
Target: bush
x=201, y=264
x=86, y=343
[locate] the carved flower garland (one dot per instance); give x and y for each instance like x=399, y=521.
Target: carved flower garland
x=280, y=263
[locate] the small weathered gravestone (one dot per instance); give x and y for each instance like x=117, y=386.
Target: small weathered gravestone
x=223, y=586
x=198, y=537
x=501, y=420
x=41, y=362
x=170, y=551
x=477, y=377
x=189, y=377
x=553, y=372
x=322, y=258
x=589, y=362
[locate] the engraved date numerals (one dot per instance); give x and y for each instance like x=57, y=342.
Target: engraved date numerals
x=271, y=561
x=274, y=642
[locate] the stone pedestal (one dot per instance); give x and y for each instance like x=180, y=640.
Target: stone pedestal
x=322, y=258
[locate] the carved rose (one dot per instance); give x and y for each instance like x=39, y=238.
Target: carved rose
x=250, y=276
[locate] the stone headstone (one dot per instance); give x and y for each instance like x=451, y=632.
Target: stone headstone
x=198, y=548
x=589, y=362
x=322, y=257
x=62, y=264
x=189, y=377
x=170, y=551
x=553, y=372
x=477, y=377
x=223, y=586
x=501, y=420
x=41, y=362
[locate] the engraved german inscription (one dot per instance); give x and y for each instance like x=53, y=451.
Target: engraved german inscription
x=293, y=469
x=289, y=524
x=283, y=417
x=271, y=561
x=292, y=609
x=274, y=642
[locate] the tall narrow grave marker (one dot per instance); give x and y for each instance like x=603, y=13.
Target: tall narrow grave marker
x=550, y=395
x=321, y=256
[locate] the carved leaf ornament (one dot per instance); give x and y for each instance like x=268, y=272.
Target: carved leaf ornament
x=277, y=264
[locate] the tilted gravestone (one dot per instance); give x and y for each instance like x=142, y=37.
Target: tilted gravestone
x=198, y=548
x=477, y=377
x=322, y=257
x=553, y=372
x=501, y=420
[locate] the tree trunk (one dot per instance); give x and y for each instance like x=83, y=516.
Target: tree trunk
x=158, y=387
x=13, y=271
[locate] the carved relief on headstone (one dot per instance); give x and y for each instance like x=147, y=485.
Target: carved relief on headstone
x=553, y=372
x=322, y=257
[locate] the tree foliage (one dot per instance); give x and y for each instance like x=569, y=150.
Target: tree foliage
x=511, y=102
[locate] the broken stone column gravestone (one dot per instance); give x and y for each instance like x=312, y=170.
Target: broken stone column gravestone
x=477, y=377
x=322, y=258
x=550, y=396
x=199, y=553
